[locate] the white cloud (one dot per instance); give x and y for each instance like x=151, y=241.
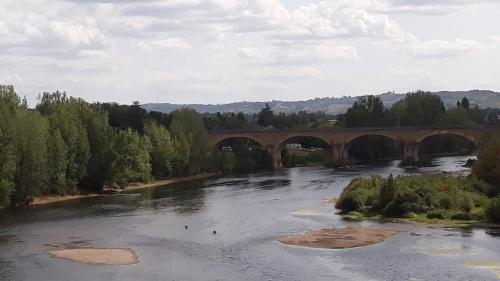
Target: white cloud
x=203, y=49
x=495, y=39
x=298, y=54
x=443, y=49
x=168, y=43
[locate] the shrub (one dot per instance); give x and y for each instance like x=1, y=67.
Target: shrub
x=387, y=192
x=405, y=201
x=359, y=194
x=436, y=215
x=493, y=210
x=462, y=216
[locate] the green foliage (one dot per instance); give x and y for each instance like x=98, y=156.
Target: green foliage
x=31, y=166
x=440, y=215
x=457, y=117
x=100, y=136
x=359, y=194
x=418, y=109
x=402, y=196
x=367, y=111
x=493, y=210
x=7, y=144
x=265, y=117
x=162, y=149
x=387, y=192
x=187, y=122
x=57, y=163
x=131, y=159
x=487, y=166
x=229, y=162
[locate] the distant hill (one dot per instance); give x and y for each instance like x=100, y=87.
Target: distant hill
x=483, y=98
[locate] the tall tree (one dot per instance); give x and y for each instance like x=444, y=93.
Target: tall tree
x=367, y=111
x=162, y=149
x=57, y=163
x=266, y=116
x=31, y=150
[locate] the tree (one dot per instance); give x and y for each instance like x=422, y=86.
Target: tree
x=418, y=109
x=7, y=150
x=100, y=137
x=465, y=103
x=57, y=163
x=186, y=121
x=31, y=150
x=131, y=159
x=387, y=192
x=266, y=116
x=367, y=111
x=65, y=115
x=487, y=166
x=162, y=149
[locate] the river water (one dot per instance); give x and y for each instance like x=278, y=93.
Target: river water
x=249, y=213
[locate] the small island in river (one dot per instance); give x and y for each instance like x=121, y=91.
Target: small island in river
x=100, y=256
x=340, y=238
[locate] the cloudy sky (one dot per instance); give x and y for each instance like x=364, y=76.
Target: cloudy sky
x=219, y=51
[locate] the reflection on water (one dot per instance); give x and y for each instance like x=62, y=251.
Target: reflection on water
x=249, y=213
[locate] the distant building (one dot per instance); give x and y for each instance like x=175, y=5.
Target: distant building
x=294, y=146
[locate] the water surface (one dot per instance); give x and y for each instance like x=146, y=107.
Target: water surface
x=249, y=213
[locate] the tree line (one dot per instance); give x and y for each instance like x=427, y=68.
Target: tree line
x=65, y=145
x=417, y=109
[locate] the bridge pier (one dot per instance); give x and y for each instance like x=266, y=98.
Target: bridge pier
x=339, y=152
x=275, y=156
x=411, y=153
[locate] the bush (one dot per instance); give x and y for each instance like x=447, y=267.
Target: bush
x=359, y=194
x=387, y=192
x=462, y=216
x=436, y=215
x=405, y=201
x=493, y=210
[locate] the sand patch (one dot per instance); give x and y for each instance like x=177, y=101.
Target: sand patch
x=493, y=265
x=41, y=200
x=443, y=248
x=102, y=256
x=306, y=213
x=340, y=238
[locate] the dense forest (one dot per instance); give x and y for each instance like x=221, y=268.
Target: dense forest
x=65, y=145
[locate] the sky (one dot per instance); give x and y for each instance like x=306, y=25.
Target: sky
x=220, y=51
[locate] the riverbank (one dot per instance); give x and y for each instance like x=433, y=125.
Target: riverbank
x=340, y=238
x=138, y=186
x=43, y=200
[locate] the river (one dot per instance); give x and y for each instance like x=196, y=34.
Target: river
x=249, y=212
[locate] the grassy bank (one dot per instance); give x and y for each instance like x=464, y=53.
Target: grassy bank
x=439, y=199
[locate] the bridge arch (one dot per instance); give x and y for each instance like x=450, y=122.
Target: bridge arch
x=447, y=133
x=320, y=141
x=280, y=144
x=221, y=141
x=385, y=146
x=447, y=142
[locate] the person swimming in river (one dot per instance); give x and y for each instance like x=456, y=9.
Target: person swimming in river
x=215, y=232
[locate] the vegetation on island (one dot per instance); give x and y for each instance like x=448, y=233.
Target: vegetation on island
x=437, y=196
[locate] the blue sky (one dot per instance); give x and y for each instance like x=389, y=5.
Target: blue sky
x=219, y=51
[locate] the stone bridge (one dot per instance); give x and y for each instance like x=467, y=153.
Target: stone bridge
x=339, y=140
